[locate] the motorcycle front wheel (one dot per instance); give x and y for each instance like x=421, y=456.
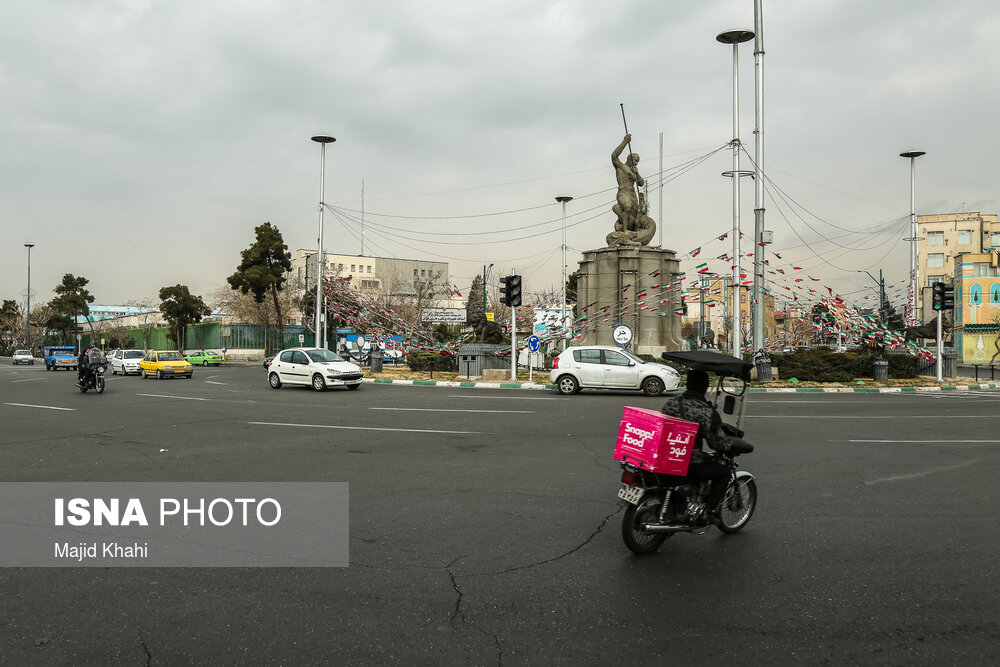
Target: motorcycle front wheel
x=647, y=511
x=735, y=511
x=100, y=384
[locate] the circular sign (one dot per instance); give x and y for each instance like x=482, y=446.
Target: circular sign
x=533, y=342
x=361, y=342
x=622, y=335
x=302, y=338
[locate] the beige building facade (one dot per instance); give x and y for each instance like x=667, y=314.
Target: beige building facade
x=946, y=236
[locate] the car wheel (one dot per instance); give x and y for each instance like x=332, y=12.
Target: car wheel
x=567, y=385
x=652, y=386
x=274, y=381
x=159, y=374
x=318, y=383
x=205, y=363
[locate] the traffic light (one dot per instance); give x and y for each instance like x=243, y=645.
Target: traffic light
x=944, y=297
x=510, y=290
x=948, y=299
x=514, y=290
x=937, y=302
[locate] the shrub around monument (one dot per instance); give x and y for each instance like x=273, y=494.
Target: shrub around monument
x=431, y=361
x=817, y=364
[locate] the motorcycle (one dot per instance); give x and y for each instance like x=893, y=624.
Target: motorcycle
x=661, y=505
x=93, y=379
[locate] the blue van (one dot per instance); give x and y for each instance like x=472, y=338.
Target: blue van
x=59, y=356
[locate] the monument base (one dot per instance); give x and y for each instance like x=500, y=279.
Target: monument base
x=610, y=287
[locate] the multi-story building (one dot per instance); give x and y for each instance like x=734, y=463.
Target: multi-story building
x=389, y=274
x=713, y=308
x=943, y=237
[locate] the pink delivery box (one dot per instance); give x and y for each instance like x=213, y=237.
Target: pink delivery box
x=655, y=442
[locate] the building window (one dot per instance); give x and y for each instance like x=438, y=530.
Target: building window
x=340, y=267
x=422, y=273
x=369, y=268
x=982, y=270
x=964, y=237
x=995, y=240
x=936, y=259
x=369, y=284
x=935, y=238
x=934, y=279
x=414, y=273
x=352, y=268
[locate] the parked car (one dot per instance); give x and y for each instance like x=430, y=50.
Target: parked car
x=126, y=362
x=209, y=358
x=607, y=367
x=165, y=365
x=59, y=356
x=22, y=357
x=311, y=366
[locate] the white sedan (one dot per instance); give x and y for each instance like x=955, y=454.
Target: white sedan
x=23, y=357
x=125, y=362
x=607, y=367
x=315, y=367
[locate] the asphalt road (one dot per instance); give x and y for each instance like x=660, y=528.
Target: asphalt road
x=485, y=530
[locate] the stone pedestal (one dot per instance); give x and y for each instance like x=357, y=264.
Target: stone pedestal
x=610, y=279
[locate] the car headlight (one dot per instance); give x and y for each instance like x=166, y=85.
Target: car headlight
x=188, y=367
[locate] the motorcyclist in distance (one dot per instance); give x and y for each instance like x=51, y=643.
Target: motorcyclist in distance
x=82, y=366
x=693, y=406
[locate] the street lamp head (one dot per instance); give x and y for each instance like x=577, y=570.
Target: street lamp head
x=735, y=36
x=562, y=199
x=913, y=154
x=29, y=245
x=323, y=139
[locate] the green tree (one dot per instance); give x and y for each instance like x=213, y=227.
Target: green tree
x=264, y=268
x=181, y=308
x=71, y=302
x=475, y=308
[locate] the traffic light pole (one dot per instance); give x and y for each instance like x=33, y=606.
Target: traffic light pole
x=940, y=345
x=513, y=343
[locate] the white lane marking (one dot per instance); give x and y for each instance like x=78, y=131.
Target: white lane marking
x=210, y=382
x=183, y=398
x=522, y=412
x=507, y=398
x=45, y=407
x=926, y=440
x=917, y=475
x=366, y=428
x=870, y=416
x=28, y=380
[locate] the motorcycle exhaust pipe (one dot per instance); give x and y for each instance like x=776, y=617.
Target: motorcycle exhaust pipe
x=668, y=529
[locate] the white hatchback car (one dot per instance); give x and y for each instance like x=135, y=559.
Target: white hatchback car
x=125, y=362
x=607, y=367
x=23, y=357
x=312, y=366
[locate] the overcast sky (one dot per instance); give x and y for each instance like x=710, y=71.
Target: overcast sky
x=164, y=132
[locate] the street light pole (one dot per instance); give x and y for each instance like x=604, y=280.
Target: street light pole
x=322, y=140
x=27, y=319
x=736, y=37
x=562, y=199
x=911, y=316
x=881, y=293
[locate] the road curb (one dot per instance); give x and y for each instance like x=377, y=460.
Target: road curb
x=754, y=390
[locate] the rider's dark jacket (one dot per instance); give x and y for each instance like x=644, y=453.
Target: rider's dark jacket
x=692, y=406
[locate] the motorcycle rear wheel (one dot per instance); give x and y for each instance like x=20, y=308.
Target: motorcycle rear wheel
x=647, y=511
x=732, y=517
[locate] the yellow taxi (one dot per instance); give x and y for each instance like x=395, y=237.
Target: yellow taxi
x=165, y=365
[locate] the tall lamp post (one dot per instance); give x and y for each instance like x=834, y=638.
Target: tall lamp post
x=736, y=37
x=322, y=140
x=881, y=293
x=562, y=199
x=27, y=319
x=911, y=316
